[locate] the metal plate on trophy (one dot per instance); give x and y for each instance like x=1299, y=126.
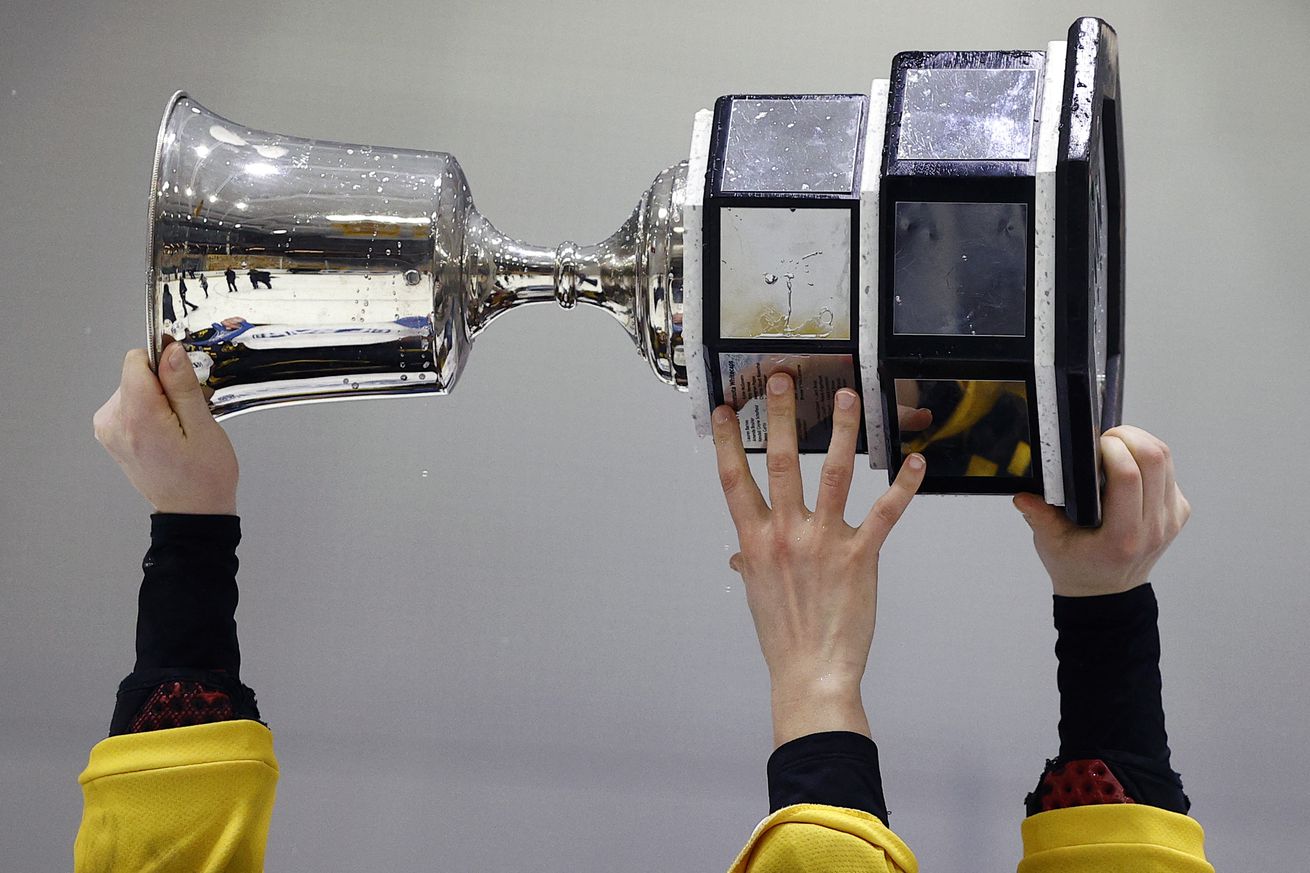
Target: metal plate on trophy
x=949, y=245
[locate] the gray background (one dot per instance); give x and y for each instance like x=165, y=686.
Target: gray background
x=536, y=656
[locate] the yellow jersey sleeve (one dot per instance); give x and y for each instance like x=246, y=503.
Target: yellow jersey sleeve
x=808, y=838
x=195, y=799
x=1124, y=837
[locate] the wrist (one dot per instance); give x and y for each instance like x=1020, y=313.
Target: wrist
x=1084, y=586
x=804, y=707
x=196, y=505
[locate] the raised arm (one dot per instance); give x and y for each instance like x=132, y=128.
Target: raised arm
x=1111, y=796
x=811, y=583
x=186, y=778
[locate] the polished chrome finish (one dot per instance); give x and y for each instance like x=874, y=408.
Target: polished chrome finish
x=297, y=270
x=635, y=275
x=151, y=325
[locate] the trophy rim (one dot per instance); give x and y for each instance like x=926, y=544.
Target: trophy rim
x=153, y=339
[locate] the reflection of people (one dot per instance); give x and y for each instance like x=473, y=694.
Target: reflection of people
x=190, y=766
x=204, y=285
x=231, y=276
x=181, y=294
x=258, y=276
x=167, y=300
x=1110, y=800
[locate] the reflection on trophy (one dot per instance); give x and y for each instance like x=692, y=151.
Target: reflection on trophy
x=950, y=245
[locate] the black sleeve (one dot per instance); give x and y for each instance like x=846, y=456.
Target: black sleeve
x=1110, y=705
x=188, y=660
x=835, y=768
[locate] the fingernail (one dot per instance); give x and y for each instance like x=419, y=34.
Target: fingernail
x=845, y=399
x=778, y=384
x=722, y=415
x=915, y=461
x=176, y=355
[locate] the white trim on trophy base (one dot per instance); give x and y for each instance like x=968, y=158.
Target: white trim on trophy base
x=1044, y=290
x=693, y=215
x=870, y=186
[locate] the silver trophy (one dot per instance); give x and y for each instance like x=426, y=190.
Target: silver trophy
x=950, y=245
x=297, y=270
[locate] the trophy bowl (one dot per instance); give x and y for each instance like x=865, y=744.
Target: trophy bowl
x=296, y=270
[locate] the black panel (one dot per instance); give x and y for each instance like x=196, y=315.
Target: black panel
x=716, y=199
x=1090, y=130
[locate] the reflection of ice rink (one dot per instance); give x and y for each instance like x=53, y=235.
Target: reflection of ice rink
x=304, y=299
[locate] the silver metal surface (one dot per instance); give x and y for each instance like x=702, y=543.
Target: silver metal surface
x=297, y=270
x=968, y=115
x=792, y=145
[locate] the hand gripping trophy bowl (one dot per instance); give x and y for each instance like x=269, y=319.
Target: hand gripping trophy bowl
x=949, y=245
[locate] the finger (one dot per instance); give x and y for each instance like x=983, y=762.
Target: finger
x=182, y=389
x=1151, y=458
x=1123, y=486
x=839, y=465
x=1182, y=509
x=784, y=466
x=138, y=389
x=1174, y=517
x=102, y=423
x=889, y=508
x=734, y=563
x=911, y=419
x=745, y=503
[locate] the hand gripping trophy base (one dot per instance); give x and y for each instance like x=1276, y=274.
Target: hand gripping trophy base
x=297, y=270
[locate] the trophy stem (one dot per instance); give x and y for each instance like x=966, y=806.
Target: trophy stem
x=504, y=274
x=635, y=275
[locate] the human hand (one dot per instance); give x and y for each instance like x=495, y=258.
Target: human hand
x=1143, y=510
x=811, y=579
x=161, y=432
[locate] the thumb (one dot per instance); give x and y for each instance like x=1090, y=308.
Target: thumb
x=182, y=388
x=1041, y=516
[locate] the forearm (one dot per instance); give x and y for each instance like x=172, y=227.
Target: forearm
x=1111, y=708
x=188, y=658
x=815, y=706
x=833, y=768
x=1109, y=674
x=823, y=751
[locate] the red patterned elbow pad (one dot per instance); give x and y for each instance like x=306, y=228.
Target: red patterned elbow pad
x=1080, y=783
x=180, y=703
